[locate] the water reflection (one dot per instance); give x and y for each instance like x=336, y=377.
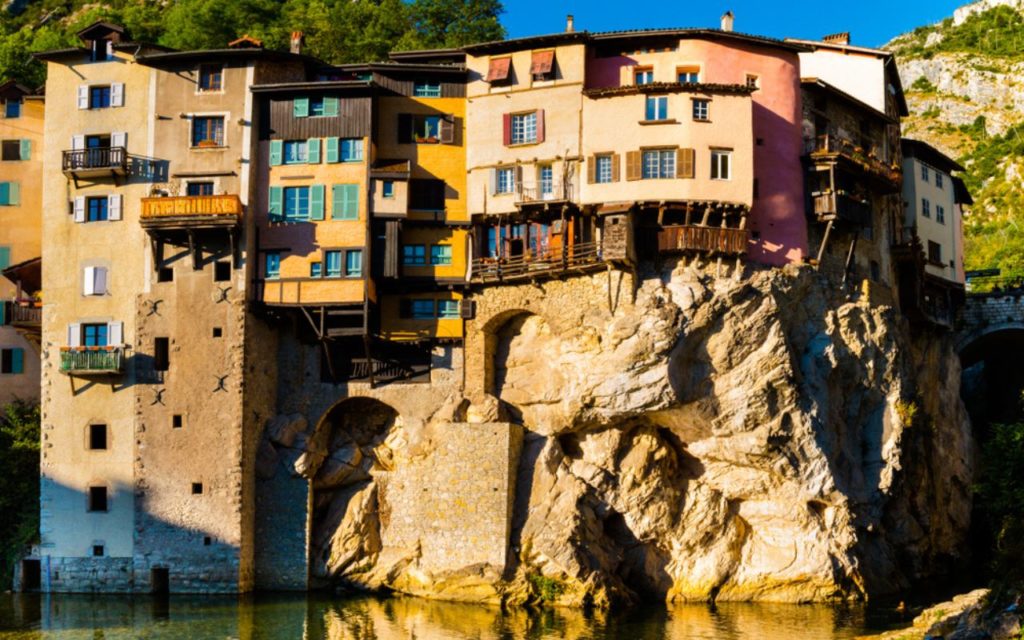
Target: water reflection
x=272, y=617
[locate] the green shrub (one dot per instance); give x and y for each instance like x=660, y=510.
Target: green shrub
x=19, y=483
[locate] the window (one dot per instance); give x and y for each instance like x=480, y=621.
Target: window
x=317, y=106
x=701, y=110
x=165, y=274
x=296, y=151
x=659, y=163
x=12, y=361
x=98, y=437
x=924, y=173
x=197, y=488
x=16, y=149
x=211, y=77
x=5, y=256
x=721, y=164
x=208, y=131
x=753, y=82
x=546, y=178
x=688, y=75
x=96, y=208
x=422, y=309
x=272, y=265
x=353, y=263
x=94, y=335
x=161, y=354
x=199, y=189
x=426, y=129
x=426, y=89
x=524, y=128
x=12, y=108
x=98, y=499
x=99, y=97
x=414, y=255
x=542, y=65
x=441, y=254
x=505, y=180
x=345, y=201
x=940, y=213
x=388, y=189
x=938, y=179
x=352, y=150
x=177, y=421
x=222, y=271
x=94, y=281
x=499, y=71
x=316, y=269
x=603, y=171
x=10, y=193
x=97, y=550
x=657, y=108
x=643, y=76
x=935, y=252
x=333, y=261
x=296, y=203
x=218, y=332
x=101, y=50
x=426, y=194
x=926, y=208
x=447, y=309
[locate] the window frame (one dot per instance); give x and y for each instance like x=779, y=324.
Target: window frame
x=7, y=108
x=644, y=72
x=940, y=214
x=422, y=315
x=665, y=166
x=426, y=89
x=510, y=172
x=421, y=129
x=92, y=498
x=272, y=258
x=524, y=127
x=439, y=257
x=926, y=208
x=717, y=155
x=209, y=118
x=688, y=70
x=301, y=147
x=343, y=256
x=387, y=189
x=659, y=113
x=99, y=330
x=202, y=72
x=701, y=109
x=300, y=215
x=104, y=95
x=419, y=258
x=446, y=315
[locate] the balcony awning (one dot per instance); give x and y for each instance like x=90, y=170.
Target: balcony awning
x=499, y=69
x=29, y=273
x=542, y=62
x=397, y=169
x=615, y=207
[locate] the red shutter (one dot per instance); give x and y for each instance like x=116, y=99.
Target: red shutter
x=506, y=129
x=498, y=69
x=542, y=62
x=540, y=125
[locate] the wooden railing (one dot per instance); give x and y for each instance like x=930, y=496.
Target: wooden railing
x=704, y=239
x=831, y=143
x=92, y=359
x=191, y=206
x=842, y=206
x=17, y=313
x=531, y=264
x=538, y=193
x=115, y=158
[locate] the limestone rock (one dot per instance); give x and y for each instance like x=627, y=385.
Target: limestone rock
x=339, y=468
x=283, y=429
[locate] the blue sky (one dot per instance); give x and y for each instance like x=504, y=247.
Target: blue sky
x=871, y=22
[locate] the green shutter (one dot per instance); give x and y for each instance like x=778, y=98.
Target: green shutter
x=300, y=107
x=17, y=361
x=5, y=193
x=316, y=202
x=5, y=257
x=26, y=149
x=330, y=106
x=332, y=150
x=276, y=207
x=276, y=152
x=14, y=194
x=313, y=151
x=3, y=314
x=346, y=201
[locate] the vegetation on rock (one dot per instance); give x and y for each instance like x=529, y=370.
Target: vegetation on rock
x=19, y=484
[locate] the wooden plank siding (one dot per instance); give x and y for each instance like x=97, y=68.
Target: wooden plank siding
x=403, y=86
x=354, y=119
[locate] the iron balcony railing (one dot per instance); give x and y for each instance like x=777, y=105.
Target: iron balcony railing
x=93, y=360
x=705, y=239
x=542, y=192
x=530, y=264
x=112, y=158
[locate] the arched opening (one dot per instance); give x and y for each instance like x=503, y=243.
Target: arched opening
x=345, y=518
x=524, y=363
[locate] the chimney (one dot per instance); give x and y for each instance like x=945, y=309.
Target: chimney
x=569, y=26
x=296, y=44
x=727, y=20
x=837, y=38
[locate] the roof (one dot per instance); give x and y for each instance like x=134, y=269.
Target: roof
x=529, y=42
x=238, y=53
x=928, y=154
x=430, y=56
x=100, y=28
x=839, y=93
x=391, y=168
x=29, y=273
x=669, y=87
x=391, y=67
x=961, y=195
x=60, y=54
x=12, y=87
x=888, y=59
x=334, y=85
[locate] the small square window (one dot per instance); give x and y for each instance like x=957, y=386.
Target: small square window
x=222, y=271
x=388, y=189
x=414, y=255
x=97, y=550
x=98, y=499
x=161, y=354
x=211, y=77
x=204, y=188
x=701, y=110
x=99, y=97
x=422, y=309
x=11, y=150
x=657, y=108
x=98, y=437
x=753, y=82
x=429, y=89
x=316, y=106
x=197, y=488
x=208, y=131
x=272, y=265
x=207, y=541
x=316, y=269
x=177, y=421
x=447, y=309
x=643, y=76
x=688, y=75
x=441, y=254
x=218, y=332
x=296, y=151
x=12, y=108
x=165, y=274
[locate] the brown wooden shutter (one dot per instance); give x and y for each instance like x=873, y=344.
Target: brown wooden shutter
x=633, y=164
x=616, y=163
x=447, y=129
x=404, y=128
x=519, y=177
x=684, y=163
x=540, y=125
x=506, y=129
x=591, y=169
x=392, y=235
x=541, y=62
x=498, y=69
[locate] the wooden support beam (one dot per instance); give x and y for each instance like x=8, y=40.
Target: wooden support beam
x=849, y=257
x=195, y=250
x=824, y=242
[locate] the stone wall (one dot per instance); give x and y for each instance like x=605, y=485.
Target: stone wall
x=88, y=575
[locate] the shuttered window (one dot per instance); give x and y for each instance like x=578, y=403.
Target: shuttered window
x=10, y=194
x=345, y=202
x=685, y=165
x=272, y=265
x=12, y=361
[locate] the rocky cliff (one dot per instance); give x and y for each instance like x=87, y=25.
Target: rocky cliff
x=760, y=438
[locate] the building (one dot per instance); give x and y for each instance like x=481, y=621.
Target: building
x=21, y=163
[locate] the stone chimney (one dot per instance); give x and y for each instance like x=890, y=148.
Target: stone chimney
x=837, y=38
x=296, y=43
x=727, y=20
x=569, y=26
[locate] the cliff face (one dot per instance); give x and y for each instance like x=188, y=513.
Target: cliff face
x=709, y=439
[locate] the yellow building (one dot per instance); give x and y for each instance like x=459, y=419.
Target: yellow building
x=21, y=191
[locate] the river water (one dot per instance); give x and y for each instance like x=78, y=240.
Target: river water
x=270, y=617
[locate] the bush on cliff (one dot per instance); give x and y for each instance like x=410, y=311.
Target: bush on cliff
x=1001, y=497
x=19, y=483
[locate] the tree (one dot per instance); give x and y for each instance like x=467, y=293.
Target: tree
x=19, y=484
x=455, y=23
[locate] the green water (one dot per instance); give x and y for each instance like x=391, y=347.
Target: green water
x=272, y=617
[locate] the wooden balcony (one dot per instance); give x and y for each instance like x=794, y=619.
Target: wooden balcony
x=21, y=314
x=548, y=263
x=831, y=146
x=695, y=238
x=92, y=360
x=833, y=205
x=191, y=212
x=95, y=162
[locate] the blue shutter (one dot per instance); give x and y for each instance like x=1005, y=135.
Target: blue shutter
x=17, y=361
x=275, y=208
x=300, y=107
x=330, y=106
x=332, y=150
x=313, y=151
x=5, y=193
x=351, y=206
x=26, y=149
x=316, y=202
x=276, y=152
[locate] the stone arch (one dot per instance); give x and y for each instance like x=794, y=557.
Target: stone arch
x=492, y=333
x=968, y=344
